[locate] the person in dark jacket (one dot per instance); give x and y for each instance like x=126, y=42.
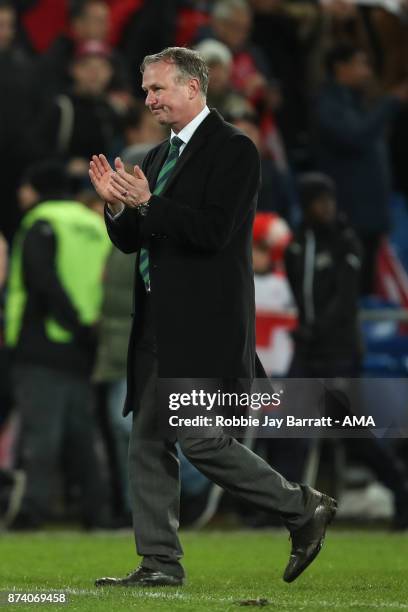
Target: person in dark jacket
x=323, y=265
x=188, y=214
x=53, y=301
x=75, y=124
x=352, y=149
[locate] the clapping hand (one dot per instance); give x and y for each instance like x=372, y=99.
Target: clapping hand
x=100, y=173
x=130, y=189
x=118, y=187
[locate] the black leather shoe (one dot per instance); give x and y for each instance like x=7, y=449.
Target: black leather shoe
x=307, y=541
x=142, y=577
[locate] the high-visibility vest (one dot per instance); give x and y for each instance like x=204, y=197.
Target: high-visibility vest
x=82, y=246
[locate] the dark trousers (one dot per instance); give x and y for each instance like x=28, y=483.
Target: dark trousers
x=56, y=414
x=155, y=480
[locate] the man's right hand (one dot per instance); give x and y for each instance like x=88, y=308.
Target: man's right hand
x=100, y=172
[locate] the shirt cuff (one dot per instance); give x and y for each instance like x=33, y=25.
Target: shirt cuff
x=112, y=215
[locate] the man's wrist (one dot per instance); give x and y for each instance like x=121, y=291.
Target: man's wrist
x=114, y=209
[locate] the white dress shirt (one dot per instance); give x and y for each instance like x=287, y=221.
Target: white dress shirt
x=188, y=130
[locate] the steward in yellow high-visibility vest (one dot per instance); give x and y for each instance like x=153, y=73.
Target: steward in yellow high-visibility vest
x=81, y=248
x=53, y=303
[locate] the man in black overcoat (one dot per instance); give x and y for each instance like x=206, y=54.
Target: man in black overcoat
x=187, y=214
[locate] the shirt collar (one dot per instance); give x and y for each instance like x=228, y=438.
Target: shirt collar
x=188, y=130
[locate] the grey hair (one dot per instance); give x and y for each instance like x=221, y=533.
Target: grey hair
x=189, y=64
x=223, y=9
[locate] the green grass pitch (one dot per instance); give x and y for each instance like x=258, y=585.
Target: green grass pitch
x=356, y=570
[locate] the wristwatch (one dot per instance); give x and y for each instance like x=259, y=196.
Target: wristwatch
x=143, y=208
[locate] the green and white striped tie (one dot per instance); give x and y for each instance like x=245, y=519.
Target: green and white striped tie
x=162, y=179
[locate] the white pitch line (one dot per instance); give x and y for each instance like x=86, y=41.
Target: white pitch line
x=187, y=597
x=136, y=593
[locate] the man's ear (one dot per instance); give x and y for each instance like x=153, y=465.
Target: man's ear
x=193, y=88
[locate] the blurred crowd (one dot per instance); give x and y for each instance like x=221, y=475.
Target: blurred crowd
x=321, y=87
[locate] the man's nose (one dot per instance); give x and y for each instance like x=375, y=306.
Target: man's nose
x=150, y=99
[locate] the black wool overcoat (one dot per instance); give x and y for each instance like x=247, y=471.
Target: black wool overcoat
x=199, y=235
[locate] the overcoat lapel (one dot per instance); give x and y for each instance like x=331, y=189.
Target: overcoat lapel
x=198, y=140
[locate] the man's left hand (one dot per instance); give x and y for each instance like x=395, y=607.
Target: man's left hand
x=131, y=189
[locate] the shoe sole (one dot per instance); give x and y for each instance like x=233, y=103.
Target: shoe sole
x=139, y=585
x=332, y=505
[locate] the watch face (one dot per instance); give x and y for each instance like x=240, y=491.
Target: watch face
x=143, y=208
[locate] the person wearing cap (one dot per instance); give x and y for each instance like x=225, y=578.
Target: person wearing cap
x=273, y=298
x=275, y=319
x=188, y=214
x=82, y=120
x=323, y=265
x=53, y=302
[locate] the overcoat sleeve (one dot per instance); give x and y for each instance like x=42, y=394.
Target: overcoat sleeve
x=124, y=229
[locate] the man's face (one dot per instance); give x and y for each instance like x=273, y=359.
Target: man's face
x=261, y=259
x=235, y=30
x=356, y=73
x=323, y=210
x=92, y=75
x=7, y=28
x=27, y=196
x=93, y=24
x=169, y=98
